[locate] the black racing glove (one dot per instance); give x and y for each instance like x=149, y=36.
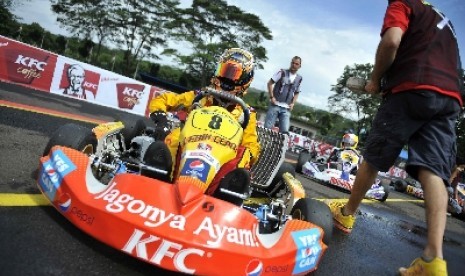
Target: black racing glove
x=159, y=118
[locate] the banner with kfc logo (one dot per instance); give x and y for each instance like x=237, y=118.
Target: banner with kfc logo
x=26, y=65
x=38, y=69
x=87, y=82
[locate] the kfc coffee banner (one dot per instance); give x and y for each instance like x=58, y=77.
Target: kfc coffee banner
x=26, y=65
x=48, y=72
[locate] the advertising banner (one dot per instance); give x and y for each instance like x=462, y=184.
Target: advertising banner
x=90, y=83
x=26, y=65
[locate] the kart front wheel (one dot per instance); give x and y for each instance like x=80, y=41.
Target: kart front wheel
x=73, y=136
x=316, y=212
x=400, y=185
x=304, y=156
x=386, y=192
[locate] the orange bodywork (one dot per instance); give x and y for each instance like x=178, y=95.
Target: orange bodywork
x=174, y=226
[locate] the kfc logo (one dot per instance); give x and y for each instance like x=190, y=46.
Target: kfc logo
x=31, y=62
x=25, y=66
x=129, y=94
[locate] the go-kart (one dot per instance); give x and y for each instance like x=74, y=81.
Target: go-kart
x=340, y=173
x=106, y=181
x=412, y=187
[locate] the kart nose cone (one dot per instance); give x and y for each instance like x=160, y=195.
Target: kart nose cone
x=188, y=192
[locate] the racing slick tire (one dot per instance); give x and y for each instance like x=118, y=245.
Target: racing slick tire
x=400, y=185
x=73, y=136
x=386, y=192
x=132, y=129
x=316, y=212
x=304, y=156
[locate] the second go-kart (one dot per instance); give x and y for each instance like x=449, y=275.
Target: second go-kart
x=108, y=182
x=339, y=174
x=412, y=187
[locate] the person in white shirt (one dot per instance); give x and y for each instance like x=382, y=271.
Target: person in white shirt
x=283, y=88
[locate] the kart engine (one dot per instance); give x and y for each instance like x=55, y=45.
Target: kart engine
x=270, y=208
x=271, y=216
x=113, y=158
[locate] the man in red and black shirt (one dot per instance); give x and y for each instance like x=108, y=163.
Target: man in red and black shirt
x=418, y=71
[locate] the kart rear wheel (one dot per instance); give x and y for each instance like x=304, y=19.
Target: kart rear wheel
x=316, y=212
x=304, y=156
x=386, y=192
x=73, y=136
x=400, y=185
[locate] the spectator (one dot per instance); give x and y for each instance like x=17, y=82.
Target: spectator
x=419, y=108
x=284, y=89
x=455, y=178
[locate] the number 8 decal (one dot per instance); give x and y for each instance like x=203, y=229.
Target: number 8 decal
x=215, y=123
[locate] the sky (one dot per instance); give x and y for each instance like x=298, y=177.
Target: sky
x=327, y=34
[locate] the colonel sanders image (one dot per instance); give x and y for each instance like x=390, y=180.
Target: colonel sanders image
x=76, y=76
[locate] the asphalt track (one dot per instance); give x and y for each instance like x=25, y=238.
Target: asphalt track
x=36, y=240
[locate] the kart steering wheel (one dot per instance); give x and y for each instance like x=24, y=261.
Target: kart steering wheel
x=221, y=95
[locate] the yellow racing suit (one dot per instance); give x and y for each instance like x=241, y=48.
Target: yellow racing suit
x=168, y=101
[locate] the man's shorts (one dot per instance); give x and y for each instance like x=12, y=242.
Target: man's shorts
x=422, y=119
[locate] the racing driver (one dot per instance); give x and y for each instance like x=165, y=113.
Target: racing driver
x=234, y=74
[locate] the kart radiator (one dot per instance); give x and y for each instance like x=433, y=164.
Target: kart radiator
x=272, y=155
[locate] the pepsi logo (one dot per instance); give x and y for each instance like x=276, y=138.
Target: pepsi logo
x=254, y=268
x=64, y=202
x=50, y=171
x=197, y=165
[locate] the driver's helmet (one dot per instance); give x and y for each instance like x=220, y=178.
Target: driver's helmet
x=349, y=141
x=234, y=72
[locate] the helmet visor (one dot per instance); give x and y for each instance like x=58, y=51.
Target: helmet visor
x=229, y=70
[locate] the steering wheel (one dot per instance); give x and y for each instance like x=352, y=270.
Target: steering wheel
x=224, y=96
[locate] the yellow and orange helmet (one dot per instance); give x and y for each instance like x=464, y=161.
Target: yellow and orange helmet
x=349, y=141
x=235, y=71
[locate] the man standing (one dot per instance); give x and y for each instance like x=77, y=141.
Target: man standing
x=283, y=88
x=416, y=69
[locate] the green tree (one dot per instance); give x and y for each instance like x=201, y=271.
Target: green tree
x=9, y=26
x=212, y=26
x=32, y=34
x=347, y=102
x=140, y=28
x=136, y=27
x=87, y=20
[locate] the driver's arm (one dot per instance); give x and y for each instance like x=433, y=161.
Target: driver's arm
x=250, y=137
x=169, y=100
